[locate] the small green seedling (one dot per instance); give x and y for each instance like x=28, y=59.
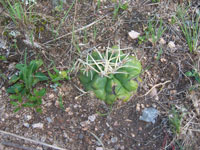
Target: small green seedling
x=23, y=85
x=110, y=75
x=195, y=74
x=175, y=121
x=153, y=33
x=119, y=6
x=58, y=76
x=190, y=27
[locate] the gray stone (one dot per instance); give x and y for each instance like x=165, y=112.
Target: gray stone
x=114, y=139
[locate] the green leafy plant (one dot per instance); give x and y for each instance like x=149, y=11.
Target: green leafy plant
x=111, y=75
x=195, y=74
x=58, y=76
x=119, y=6
x=175, y=121
x=190, y=27
x=23, y=85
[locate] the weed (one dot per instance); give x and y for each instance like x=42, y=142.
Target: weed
x=175, y=121
x=18, y=13
x=190, y=27
x=24, y=85
x=195, y=74
x=119, y=6
x=58, y=76
x=61, y=103
x=154, y=34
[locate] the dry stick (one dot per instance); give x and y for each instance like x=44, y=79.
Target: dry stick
x=30, y=140
x=155, y=87
x=80, y=29
x=6, y=143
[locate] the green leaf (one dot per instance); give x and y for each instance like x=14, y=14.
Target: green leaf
x=124, y=6
x=35, y=65
x=14, y=103
x=19, y=66
x=2, y=58
x=189, y=74
x=14, y=96
x=17, y=109
x=39, y=110
x=13, y=79
x=40, y=93
x=41, y=77
x=27, y=104
x=16, y=88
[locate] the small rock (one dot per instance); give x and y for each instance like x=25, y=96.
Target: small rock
x=133, y=34
x=142, y=105
x=57, y=103
x=162, y=41
x=80, y=136
x=99, y=148
x=140, y=128
x=51, y=96
x=28, y=117
x=171, y=45
x=84, y=123
x=67, y=109
x=49, y=119
x=38, y=125
x=26, y=124
x=138, y=107
x=92, y=118
x=149, y=115
x=133, y=135
x=114, y=139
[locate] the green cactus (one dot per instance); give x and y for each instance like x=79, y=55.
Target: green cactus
x=110, y=75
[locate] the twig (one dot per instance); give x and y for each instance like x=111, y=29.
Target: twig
x=17, y=146
x=30, y=140
x=80, y=29
x=98, y=139
x=155, y=87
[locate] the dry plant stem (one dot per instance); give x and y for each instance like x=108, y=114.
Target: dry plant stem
x=30, y=140
x=98, y=139
x=80, y=29
x=159, y=84
x=10, y=144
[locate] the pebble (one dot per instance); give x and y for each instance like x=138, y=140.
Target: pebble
x=51, y=96
x=49, y=119
x=84, y=123
x=162, y=41
x=38, y=125
x=92, y=118
x=138, y=107
x=99, y=148
x=80, y=136
x=133, y=34
x=114, y=139
x=171, y=45
x=26, y=124
x=28, y=117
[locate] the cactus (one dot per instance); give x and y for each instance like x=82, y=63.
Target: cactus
x=110, y=75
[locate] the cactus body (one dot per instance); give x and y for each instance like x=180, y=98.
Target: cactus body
x=120, y=85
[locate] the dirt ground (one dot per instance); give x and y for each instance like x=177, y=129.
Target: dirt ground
x=86, y=123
